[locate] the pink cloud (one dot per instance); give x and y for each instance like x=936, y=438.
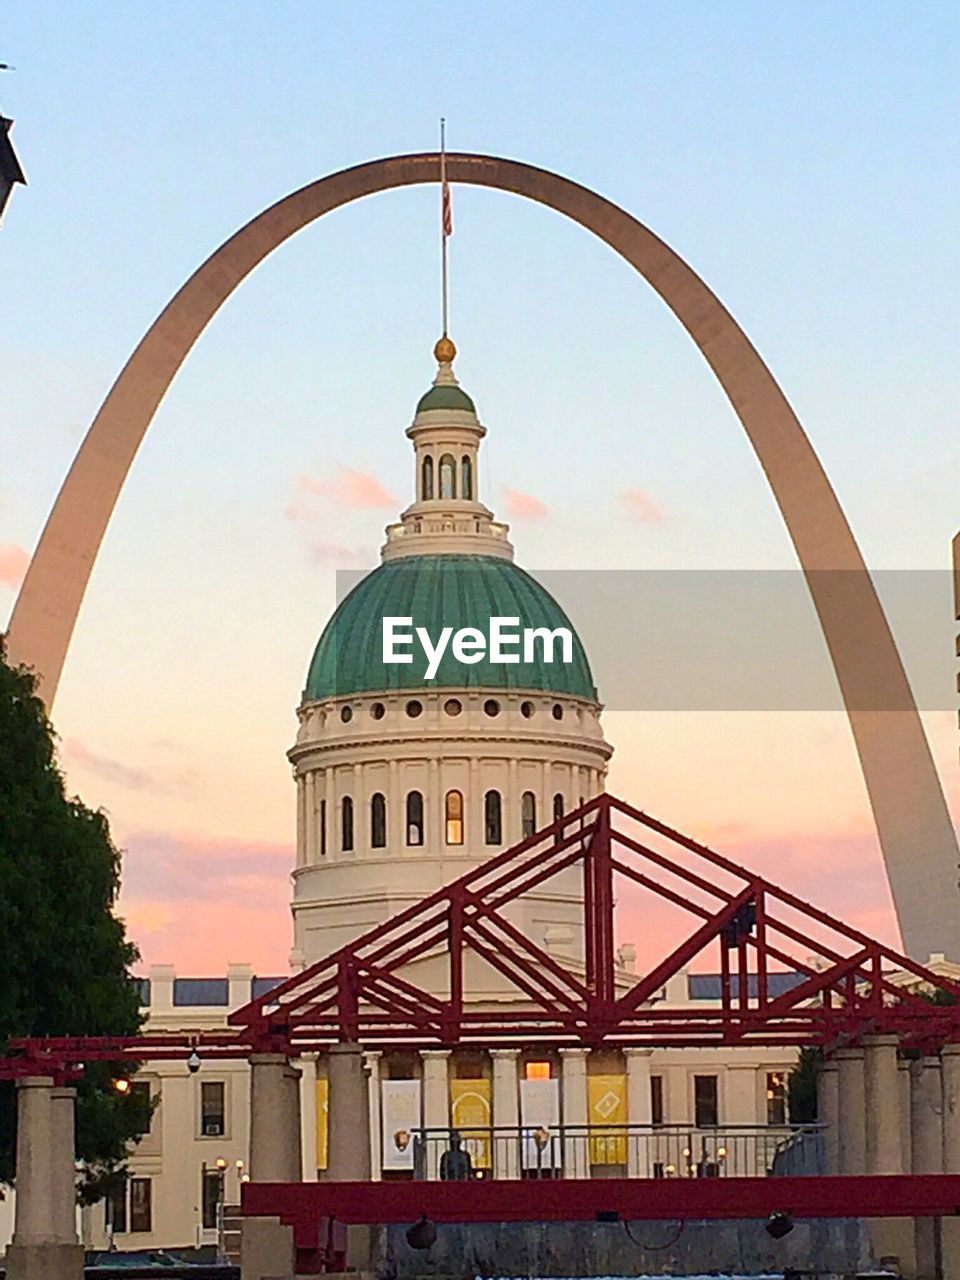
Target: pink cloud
x=357, y=490
x=841, y=872
x=524, y=506
x=641, y=506
x=76, y=754
x=203, y=903
x=346, y=557
x=13, y=564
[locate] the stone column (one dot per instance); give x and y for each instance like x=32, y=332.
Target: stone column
x=639, y=1146
x=45, y=1244
x=371, y=1067
x=348, y=1154
x=926, y=1116
x=881, y=1084
x=301, y=821
x=433, y=811
x=828, y=1113
x=275, y=1154
x=906, y=1142
x=851, y=1129
x=575, y=1113
x=506, y=1113
x=926, y=1130
x=950, y=1070
x=436, y=1105
x=327, y=838
x=475, y=810
x=396, y=833
x=512, y=826
x=308, y=1114
x=361, y=814
x=891, y=1237
x=310, y=814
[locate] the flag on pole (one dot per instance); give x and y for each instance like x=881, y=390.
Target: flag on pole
x=447, y=209
x=446, y=206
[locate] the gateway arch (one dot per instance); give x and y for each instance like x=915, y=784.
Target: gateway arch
x=913, y=823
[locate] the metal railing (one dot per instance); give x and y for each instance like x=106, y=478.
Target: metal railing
x=616, y=1150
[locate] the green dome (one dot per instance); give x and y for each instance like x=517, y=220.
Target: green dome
x=446, y=397
x=441, y=591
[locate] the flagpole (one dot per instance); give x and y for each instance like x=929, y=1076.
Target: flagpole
x=443, y=230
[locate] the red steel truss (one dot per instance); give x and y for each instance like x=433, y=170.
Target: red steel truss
x=843, y=990
x=844, y=984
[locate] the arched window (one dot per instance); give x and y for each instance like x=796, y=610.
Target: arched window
x=426, y=479
x=466, y=478
x=453, y=817
x=448, y=476
x=492, y=818
x=414, y=818
x=323, y=828
x=528, y=814
x=378, y=822
x=346, y=824
x=557, y=815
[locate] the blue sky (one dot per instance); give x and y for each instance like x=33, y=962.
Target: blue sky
x=802, y=158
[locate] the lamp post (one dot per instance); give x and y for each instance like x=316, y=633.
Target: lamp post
x=221, y=1196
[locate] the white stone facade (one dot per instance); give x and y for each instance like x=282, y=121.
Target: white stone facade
x=515, y=760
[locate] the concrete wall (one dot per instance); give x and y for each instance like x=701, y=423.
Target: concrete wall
x=606, y=1249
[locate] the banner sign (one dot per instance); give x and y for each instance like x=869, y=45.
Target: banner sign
x=400, y=1113
x=540, y=1121
x=323, y=1120
x=607, y=1101
x=470, y=1116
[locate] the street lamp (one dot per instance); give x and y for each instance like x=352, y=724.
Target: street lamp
x=221, y=1197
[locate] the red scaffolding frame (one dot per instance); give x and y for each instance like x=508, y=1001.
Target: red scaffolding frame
x=839, y=988
x=841, y=983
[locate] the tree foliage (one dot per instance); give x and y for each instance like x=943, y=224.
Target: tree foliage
x=66, y=960
x=802, y=1087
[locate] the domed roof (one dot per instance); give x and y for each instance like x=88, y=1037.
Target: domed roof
x=439, y=591
x=446, y=396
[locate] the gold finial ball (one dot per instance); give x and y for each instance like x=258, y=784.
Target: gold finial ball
x=445, y=351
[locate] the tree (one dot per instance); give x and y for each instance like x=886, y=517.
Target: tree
x=66, y=959
x=802, y=1087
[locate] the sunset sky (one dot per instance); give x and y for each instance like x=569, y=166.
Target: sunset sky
x=801, y=158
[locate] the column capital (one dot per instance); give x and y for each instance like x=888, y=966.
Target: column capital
x=828, y=1064
x=435, y=1054
x=574, y=1052
x=36, y=1082
x=950, y=1051
x=344, y=1047
x=505, y=1054
x=633, y=1051
x=852, y=1053
x=268, y=1060
x=881, y=1041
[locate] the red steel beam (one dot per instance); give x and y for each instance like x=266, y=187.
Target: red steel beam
x=305, y=1204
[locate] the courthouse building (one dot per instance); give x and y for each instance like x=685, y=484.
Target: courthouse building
x=402, y=785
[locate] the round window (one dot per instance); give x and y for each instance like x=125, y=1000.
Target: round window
x=557, y=711
x=378, y=711
x=346, y=714
x=527, y=709
x=492, y=707
x=453, y=706
x=414, y=708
